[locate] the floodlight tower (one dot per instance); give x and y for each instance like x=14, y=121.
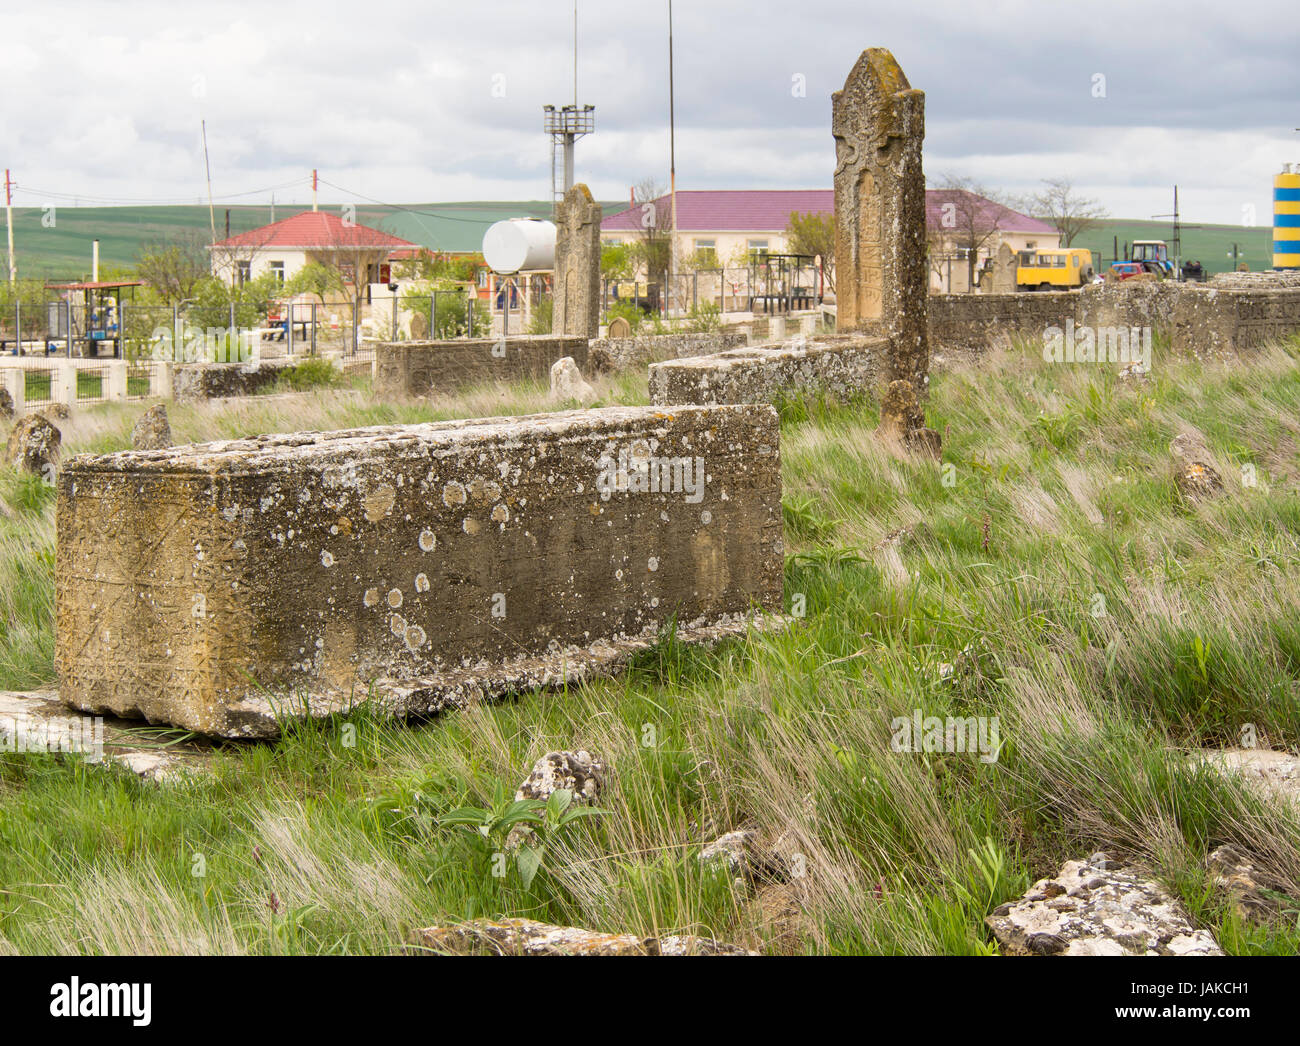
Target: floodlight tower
x=567, y=124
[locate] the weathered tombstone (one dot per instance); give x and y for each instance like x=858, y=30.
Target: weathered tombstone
x=577, y=264
x=620, y=328
x=153, y=431
x=1004, y=270
x=223, y=587
x=34, y=445
x=878, y=121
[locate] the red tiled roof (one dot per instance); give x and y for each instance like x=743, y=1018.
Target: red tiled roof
x=769, y=210
x=315, y=231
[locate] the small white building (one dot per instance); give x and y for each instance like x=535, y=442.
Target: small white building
x=359, y=253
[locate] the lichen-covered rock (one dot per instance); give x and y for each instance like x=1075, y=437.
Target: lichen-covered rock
x=1093, y=907
x=56, y=411
x=34, y=445
x=6, y=405
x=568, y=384
x=527, y=937
x=153, y=431
x=1237, y=878
x=1195, y=477
x=749, y=861
x=580, y=772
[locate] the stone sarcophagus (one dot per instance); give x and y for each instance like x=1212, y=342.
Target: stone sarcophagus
x=837, y=366
x=223, y=587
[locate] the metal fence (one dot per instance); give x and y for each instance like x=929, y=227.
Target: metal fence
x=753, y=289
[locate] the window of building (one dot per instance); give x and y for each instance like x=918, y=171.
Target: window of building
x=243, y=271
x=277, y=270
x=706, y=253
x=757, y=246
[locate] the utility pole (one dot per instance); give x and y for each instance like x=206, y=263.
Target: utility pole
x=1178, y=236
x=212, y=214
x=672, y=152
x=313, y=188
x=9, y=221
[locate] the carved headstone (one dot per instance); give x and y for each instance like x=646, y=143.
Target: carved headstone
x=577, y=264
x=1005, y=264
x=620, y=328
x=878, y=122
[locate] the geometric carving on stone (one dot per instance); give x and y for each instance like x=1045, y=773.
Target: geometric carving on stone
x=577, y=264
x=878, y=122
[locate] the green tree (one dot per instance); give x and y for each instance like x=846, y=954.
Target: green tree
x=813, y=234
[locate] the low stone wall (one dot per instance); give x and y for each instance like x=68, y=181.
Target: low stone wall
x=417, y=368
x=972, y=323
x=612, y=354
x=838, y=367
x=221, y=587
x=205, y=381
x=1129, y=303
x=1216, y=320
x=1209, y=322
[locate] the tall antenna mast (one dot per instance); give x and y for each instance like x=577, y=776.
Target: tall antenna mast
x=672, y=147
x=566, y=125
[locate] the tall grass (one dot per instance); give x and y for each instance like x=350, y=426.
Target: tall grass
x=1050, y=576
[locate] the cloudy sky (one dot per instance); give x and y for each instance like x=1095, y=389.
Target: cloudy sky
x=441, y=101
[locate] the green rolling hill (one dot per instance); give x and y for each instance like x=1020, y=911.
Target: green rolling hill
x=61, y=250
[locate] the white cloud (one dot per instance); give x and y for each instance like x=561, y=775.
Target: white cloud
x=397, y=101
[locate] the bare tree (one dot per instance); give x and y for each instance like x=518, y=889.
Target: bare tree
x=1071, y=214
x=969, y=219
x=654, y=249
x=174, y=266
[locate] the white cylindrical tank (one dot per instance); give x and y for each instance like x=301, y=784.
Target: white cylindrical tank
x=520, y=245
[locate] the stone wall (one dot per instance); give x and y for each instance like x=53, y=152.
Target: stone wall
x=203, y=381
x=1207, y=321
x=612, y=354
x=972, y=323
x=417, y=368
x=840, y=367
x=220, y=587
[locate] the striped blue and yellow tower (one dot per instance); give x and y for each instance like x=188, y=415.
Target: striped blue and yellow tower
x=1286, y=219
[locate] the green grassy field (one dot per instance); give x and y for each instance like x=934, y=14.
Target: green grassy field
x=1211, y=245
x=975, y=598
x=63, y=250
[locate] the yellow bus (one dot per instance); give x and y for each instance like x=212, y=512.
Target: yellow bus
x=1052, y=270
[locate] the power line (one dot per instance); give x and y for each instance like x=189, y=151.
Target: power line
x=156, y=202
x=409, y=210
